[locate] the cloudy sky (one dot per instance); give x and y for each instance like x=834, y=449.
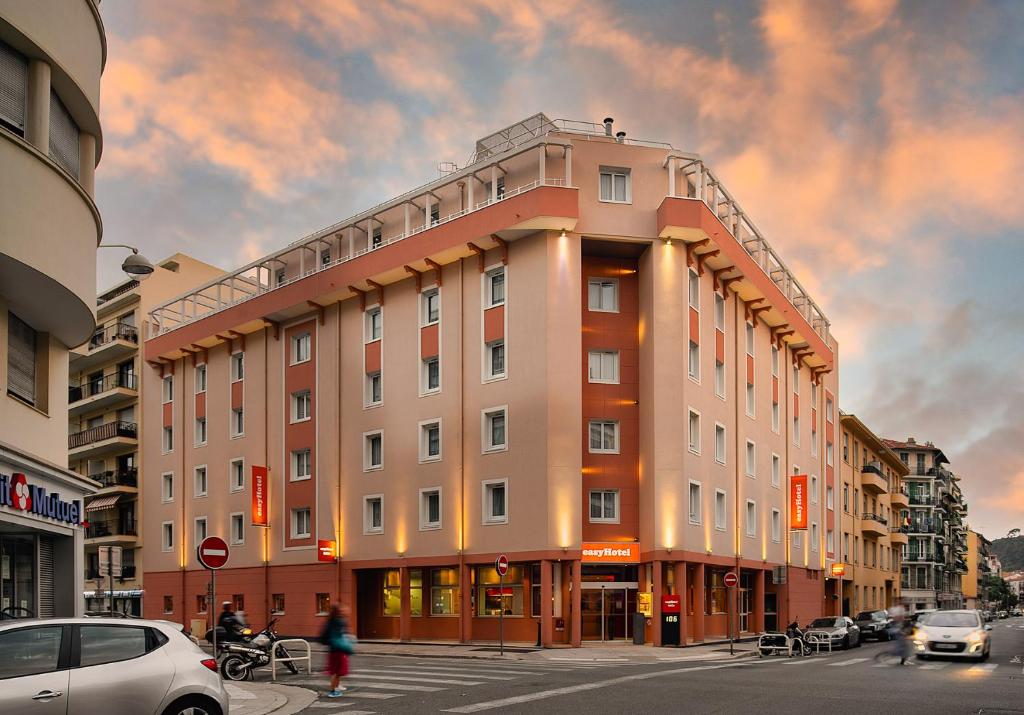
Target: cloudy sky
x=878, y=145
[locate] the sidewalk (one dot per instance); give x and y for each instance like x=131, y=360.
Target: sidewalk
x=265, y=698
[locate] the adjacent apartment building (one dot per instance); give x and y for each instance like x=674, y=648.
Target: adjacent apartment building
x=104, y=425
x=935, y=559
x=978, y=569
x=49, y=147
x=576, y=350
x=874, y=506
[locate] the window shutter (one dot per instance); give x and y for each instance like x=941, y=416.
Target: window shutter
x=21, y=359
x=63, y=136
x=13, y=87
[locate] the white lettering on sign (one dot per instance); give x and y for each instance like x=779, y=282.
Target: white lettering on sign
x=607, y=551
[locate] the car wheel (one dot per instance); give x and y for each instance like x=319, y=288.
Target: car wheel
x=846, y=642
x=193, y=705
x=884, y=636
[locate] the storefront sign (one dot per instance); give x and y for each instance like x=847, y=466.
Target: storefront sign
x=326, y=550
x=671, y=604
x=260, y=511
x=17, y=493
x=645, y=603
x=838, y=569
x=611, y=553
x=798, y=501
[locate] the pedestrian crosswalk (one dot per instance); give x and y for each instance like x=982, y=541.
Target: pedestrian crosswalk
x=975, y=669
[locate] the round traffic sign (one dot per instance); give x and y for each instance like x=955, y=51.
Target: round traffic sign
x=212, y=552
x=501, y=564
x=731, y=579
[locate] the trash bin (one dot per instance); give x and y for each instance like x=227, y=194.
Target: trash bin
x=639, y=628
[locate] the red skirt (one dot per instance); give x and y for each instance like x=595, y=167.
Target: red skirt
x=337, y=663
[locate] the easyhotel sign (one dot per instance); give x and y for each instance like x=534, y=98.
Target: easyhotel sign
x=260, y=508
x=611, y=553
x=17, y=493
x=798, y=501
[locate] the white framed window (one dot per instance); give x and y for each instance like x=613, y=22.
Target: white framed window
x=615, y=185
x=374, y=324
x=694, y=431
x=373, y=514
x=302, y=404
x=775, y=361
x=814, y=489
x=301, y=524
x=236, y=474
x=325, y=257
x=796, y=380
x=430, y=508
x=200, y=378
x=494, y=359
x=167, y=536
x=430, y=306
x=302, y=464
x=237, y=366
x=751, y=520
x=374, y=389
x=603, y=295
x=776, y=470
x=373, y=450
x=814, y=395
x=430, y=440
x=200, y=529
x=720, y=443
x=830, y=540
x=495, y=501
x=720, y=379
x=693, y=284
x=750, y=400
x=301, y=344
x=776, y=526
x=494, y=287
x=750, y=465
x=814, y=440
x=796, y=430
x=604, y=506
x=693, y=361
x=695, y=503
x=720, y=326
x=814, y=536
x=237, y=422
x=200, y=431
x=199, y=481
x=829, y=498
x=280, y=277
x=719, y=312
x=721, y=510
x=829, y=453
x=604, y=436
x=431, y=375
x=829, y=408
x=603, y=366
x=775, y=417
x=750, y=406
x=167, y=388
x=167, y=487
x=495, y=429
x=167, y=440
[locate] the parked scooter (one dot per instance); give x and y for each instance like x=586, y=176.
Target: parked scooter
x=797, y=641
x=242, y=657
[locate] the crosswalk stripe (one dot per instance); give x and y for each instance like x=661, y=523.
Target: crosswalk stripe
x=984, y=667
x=372, y=696
x=442, y=672
x=934, y=666
x=330, y=704
x=392, y=686
x=798, y=661
x=360, y=712
x=517, y=671
x=846, y=662
x=412, y=679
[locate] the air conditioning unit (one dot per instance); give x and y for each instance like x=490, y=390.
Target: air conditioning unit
x=779, y=575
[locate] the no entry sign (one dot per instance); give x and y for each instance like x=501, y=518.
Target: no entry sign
x=501, y=564
x=212, y=552
x=731, y=580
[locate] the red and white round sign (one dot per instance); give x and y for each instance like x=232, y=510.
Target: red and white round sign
x=212, y=552
x=501, y=564
x=730, y=579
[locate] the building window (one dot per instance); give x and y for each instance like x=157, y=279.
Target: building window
x=301, y=523
x=829, y=453
x=431, y=374
x=603, y=366
x=373, y=514
x=200, y=378
x=693, y=360
x=200, y=482
x=236, y=470
x=604, y=437
x=495, y=498
x=374, y=389
x=604, y=506
x=376, y=237
x=750, y=466
x=277, y=604
x=814, y=489
x=202, y=603
x=237, y=366
x=694, y=432
x=325, y=257
x=167, y=536
x=720, y=444
x=720, y=379
x=720, y=327
x=167, y=390
x=751, y=521
x=829, y=498
x=776, y=526
x=814, y=537
x=280, y=277
x=695, y=507
x=14, y=88
x=750, y=381
x=846, y=498
x=830, y=540
x=200, y=529
x=494, y=288
x=168, y=604
x=796, y=430
x=615, y=185
x=302, y=464
x=323, y=604
x=301, y=405
x=494, y=430
x=373, y=450
x=167, y=487
x=374, y=324
x=430, y=441
x=721, y=518
x=238, y=528
x=200, y=431
x=776, y=416
x=435, y=214
x=237, y=422
x=168, y=439
x=301, y=347
x=444, y=592
x=492, y=600
x=431, y=305
x=494, y=359
x=430, y=508
x=776, y=470
x=603, y=295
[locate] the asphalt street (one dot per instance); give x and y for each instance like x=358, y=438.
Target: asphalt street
x=841, y=682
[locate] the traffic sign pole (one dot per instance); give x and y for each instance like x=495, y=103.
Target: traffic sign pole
x=501, y=566
x=212, y=553
x=731, y=580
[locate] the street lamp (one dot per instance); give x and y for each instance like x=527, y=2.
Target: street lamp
x=135, y=265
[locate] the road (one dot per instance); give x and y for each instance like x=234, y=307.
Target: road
x=842, y=682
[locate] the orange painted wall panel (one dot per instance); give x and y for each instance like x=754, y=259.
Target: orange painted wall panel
x=201, y=405
x=750, y=370
x=494, y=324
x=168, y=414
x=694, y=326
x=775, y=390
x=373, y=358
x=237, y=392
x=720, y=346
x=429, y=341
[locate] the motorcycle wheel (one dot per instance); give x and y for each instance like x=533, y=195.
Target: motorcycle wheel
x=234, y=668
x=282, y=652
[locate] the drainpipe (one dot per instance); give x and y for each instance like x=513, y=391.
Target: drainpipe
x=337, y=533
x=466, y=618
x=266, y=462
x=734, y=605
x=181, y=536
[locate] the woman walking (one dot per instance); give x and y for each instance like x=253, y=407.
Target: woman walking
x=339, y=646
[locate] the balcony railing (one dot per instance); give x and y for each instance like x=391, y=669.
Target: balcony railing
x=899, y=529
x=919, y=556
x=875, y=517
x=91, y=388
x=113, y=527
x=873, y=467
x=119, y=478
x=921, y=499
x=110, y=333
x=103, y=432
x=92, y=574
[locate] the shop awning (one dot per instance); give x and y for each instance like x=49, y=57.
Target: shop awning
x=102, y=502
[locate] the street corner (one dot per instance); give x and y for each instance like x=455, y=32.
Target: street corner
x=264, y=698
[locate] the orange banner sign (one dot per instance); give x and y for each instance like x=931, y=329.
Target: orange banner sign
x=326, y=550
x=838, y=569
x=260, y=487
x=798, y=501
x=611, y=553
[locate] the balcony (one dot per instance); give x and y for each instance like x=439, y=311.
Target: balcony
x=919, y=557
x=127, y=573
x=104, y=440
x=898, y=535
x=874, y=525
x=899, y=499
x=112, y=531
x=109, y=343
x=918, y=499
x=923, y=526
x=872, y=479
x=102, y=394
x=120, y=480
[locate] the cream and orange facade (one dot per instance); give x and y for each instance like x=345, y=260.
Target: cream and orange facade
x=577, y=350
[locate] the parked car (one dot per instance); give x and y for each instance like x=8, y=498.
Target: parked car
x=958, y=634
x=1002, y=614
x=988, y=616
x=840, y=630
x=874, y=624
x=918, y=615
x=106, y=665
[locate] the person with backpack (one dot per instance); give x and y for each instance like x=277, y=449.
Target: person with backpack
x=339, y=644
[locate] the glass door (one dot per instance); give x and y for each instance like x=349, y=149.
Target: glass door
x=615, y=615
x=592, y=610
x=18, y=576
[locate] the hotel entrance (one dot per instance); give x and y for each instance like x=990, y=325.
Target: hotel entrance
x=608, y=602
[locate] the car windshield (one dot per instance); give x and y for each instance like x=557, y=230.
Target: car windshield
x=951, y=620
x=868, y=616
x=823, y=623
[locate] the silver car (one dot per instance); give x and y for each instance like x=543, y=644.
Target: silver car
x=833, y=632
x=79, y=666
x=958, y=634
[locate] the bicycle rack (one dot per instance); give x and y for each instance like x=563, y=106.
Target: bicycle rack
x=274, y=659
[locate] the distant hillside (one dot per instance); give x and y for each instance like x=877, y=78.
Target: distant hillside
x=1010, y=552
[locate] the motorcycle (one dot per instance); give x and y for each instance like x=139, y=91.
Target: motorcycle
x=241, y=657
x=797, y=641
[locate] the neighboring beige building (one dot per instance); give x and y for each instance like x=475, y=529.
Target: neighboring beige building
x=978, y=567
x=52, y=53
x=104, y=423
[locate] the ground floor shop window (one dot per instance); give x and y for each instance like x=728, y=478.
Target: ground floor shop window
x=168, y=604
x=323, y=604
x=18, y=576
x=393, y=592
x=493, y=599
x=277, y=604
x=201, y=603
x=444, y=592
x=717, y=593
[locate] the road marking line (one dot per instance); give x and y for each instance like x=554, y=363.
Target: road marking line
x=440, y=672
x=488, y=670
x=236, y=693
x=984, y=667
x=798, y=661
x=934, y=666
x=846, y=662
x=334, y=704
x=365, y=675
x=393, y=686
x=372, y=696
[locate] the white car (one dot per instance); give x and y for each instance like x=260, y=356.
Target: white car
x=958, y=634
x=105, y=665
